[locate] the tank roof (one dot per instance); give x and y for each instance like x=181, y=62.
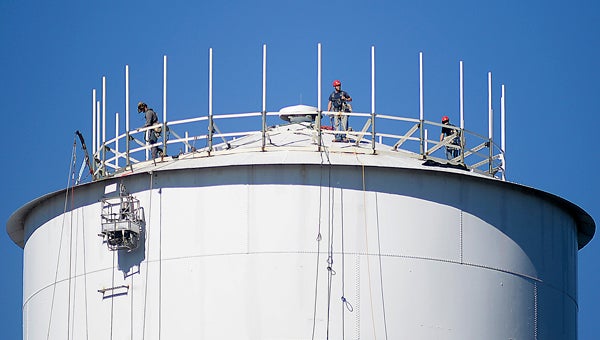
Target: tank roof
x=296, y=143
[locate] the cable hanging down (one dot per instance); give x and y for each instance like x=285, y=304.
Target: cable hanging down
x=318, y=239
x=70, y=176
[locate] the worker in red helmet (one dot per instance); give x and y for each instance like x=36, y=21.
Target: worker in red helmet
x=451, y=151
x=338, y=102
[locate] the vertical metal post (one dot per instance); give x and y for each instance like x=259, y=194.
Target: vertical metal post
x=126, y=115
x=462, y=115
x=490, y=123
x=421, y=113
x=462, y=97
x=127, y=97
x=164, y=127
x=264, y=98
x=94, y=122
x=319, y=94
x=373, y=98
x=98, y=124
x=116, y=152
x=490, y=112
x=210, y=103
x=503, y=131
x=187, y=148
x=104, y=124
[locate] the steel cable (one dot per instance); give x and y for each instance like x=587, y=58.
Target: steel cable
x=148, y=257
x=71, y=174
x=367, y=247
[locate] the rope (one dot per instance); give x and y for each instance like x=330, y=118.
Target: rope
x=85, y=279
x=71, y=247
x=346, y=305
x=364, y=188
x=147, y=259
x=112, y=300
x=71, y=174
x=319, y=238
x=343, y=277
x=380, y=266
x=75, y=264
x=131, y=291
x=159, y=263
x=367, y=247
x=330, y=271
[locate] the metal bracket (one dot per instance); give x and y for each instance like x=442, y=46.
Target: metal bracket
x=114, y=291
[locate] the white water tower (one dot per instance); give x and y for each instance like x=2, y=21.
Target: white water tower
x=284, y=234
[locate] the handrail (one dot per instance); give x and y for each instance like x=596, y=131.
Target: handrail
x=401, y=133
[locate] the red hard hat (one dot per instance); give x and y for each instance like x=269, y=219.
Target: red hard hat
x=445, y=119
x=337, y=83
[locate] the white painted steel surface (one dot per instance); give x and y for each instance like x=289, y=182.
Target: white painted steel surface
x=231, y=249
x=230, y=252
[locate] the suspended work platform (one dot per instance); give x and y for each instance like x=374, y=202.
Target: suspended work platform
x=122, y=221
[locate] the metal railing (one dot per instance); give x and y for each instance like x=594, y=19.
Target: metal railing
x=475, y=152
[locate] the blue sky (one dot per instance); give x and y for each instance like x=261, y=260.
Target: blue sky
x=545, y=52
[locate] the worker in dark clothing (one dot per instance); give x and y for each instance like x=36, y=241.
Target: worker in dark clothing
x=338, y=102
x=451, y=152
x=151, y=134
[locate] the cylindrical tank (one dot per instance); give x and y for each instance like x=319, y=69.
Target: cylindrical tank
x=302, y=244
